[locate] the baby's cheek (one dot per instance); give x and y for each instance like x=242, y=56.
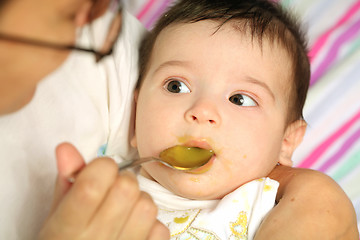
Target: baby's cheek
x=228, y=165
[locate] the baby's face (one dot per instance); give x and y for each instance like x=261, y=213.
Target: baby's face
x=220, y=91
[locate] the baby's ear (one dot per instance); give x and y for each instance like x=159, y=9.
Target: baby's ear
x=292, y=138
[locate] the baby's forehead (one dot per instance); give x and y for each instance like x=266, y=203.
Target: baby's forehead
x=178, y=35
x=268, y=41
x=273, y=34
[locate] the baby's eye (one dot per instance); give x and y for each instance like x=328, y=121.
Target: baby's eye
x=176, y=86
x=242, y=100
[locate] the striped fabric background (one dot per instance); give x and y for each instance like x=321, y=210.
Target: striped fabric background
x=332, y=110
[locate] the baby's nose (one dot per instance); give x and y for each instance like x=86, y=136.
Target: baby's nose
x=204, y=112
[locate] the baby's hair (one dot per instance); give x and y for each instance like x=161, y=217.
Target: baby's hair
x=261, y=18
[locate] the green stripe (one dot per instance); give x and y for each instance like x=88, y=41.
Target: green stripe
x=349, y=165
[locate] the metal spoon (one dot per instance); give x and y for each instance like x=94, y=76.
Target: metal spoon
x=134, y=163
x=178, y=157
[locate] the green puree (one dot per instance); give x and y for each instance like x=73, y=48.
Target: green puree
x=186, y=157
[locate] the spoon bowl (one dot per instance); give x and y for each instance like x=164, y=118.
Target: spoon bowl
x=178, y=157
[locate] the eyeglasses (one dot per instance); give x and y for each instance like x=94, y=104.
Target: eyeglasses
x=105, y=50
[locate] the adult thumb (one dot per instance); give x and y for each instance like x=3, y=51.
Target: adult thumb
x=69, y=161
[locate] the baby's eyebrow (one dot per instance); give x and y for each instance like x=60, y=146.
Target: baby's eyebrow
x=261, y=84
x=172, y=63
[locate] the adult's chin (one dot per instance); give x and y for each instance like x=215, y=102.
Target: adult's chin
x=10, y=102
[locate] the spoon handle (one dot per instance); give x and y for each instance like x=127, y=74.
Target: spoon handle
x=123, y=165
x=128, y=164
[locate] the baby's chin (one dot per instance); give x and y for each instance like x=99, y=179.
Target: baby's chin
x=198, y=193
x=187, y=185
x=195, y=187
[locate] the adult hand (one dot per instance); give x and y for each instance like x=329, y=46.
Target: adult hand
x=101, y=204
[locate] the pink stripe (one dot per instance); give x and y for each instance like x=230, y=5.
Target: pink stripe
x=344, y=148
x=331, y=56
x=145, y=9
x=157, y=14
x=323, y=39
x=319, y=151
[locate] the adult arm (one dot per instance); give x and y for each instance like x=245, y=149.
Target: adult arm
x=311, y=205
x=101, y=204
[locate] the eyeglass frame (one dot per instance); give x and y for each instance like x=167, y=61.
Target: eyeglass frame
x=115, y=25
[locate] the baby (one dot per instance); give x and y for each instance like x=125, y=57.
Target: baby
x=230, y=76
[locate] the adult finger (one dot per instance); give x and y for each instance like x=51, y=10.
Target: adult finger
x=87, y=193
x=141, y=220
x=116, y=209
x=69, y=161
x=159, y=232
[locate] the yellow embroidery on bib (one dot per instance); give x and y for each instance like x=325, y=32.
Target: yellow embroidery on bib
x=239, y=227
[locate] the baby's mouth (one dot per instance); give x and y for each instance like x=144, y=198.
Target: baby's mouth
x=203, y=144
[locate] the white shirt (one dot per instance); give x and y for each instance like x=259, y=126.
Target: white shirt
x=84, y=103
x=236, y=216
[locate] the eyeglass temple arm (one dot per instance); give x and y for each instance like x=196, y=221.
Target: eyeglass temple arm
x=46, y=44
